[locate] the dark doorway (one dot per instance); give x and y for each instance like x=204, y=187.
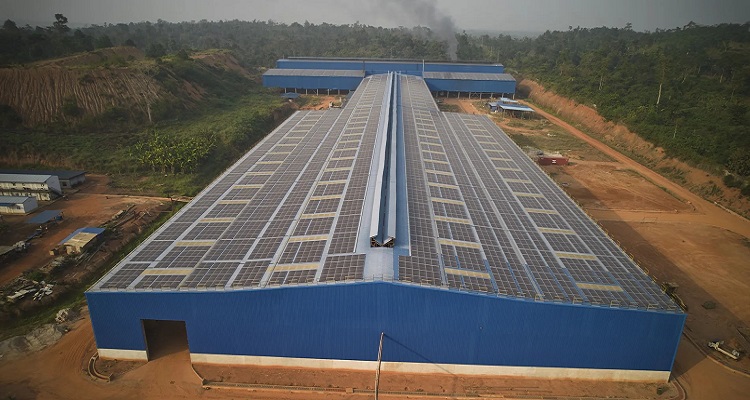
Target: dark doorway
x=164, y=337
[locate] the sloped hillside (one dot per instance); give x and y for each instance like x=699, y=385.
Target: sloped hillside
x=116, y=83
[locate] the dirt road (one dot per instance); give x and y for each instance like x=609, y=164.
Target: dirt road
x=708, y=213
x=704, y=379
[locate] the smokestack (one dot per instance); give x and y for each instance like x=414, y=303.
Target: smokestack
x=424, y=13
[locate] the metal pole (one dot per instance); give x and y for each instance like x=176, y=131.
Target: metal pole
x=377, y=373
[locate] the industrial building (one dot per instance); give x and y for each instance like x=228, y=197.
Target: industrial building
x=390, y=217
x=68, y=179
x=17, y=204
x=512, y=107
x=319, y=75
x=81, y=240
x=42, y=187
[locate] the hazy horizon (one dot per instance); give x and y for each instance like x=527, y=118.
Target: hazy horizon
x=532, y=16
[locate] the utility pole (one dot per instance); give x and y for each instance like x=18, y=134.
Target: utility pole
x=377, y=372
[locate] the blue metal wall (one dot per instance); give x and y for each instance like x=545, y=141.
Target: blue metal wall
x=477, y=68
x=312, y=82
x=410, y=68
x=320, y=64
x=458, y=85
x=421, y=325
x=380, y=67
x=370, y=67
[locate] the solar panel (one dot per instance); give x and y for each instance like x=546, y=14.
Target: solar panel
x=502, y=225
x=480, y=216
x=295, y=199
x=343, y=268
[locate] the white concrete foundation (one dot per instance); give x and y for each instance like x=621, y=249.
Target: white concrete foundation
x=117, y=354
x=458, y=369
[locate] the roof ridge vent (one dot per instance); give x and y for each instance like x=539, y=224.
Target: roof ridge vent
x=383, y=218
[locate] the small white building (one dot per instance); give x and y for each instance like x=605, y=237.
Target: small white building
x=68, y=179
x=41, y=187
x=17, y=204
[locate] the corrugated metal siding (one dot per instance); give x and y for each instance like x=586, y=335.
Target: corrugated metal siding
x=373, y=66
x=421, y=325
x=410, y=68
x=319, y=64
x=312, y=82
x=370, y=67
x=479, y=68
x=456, y=85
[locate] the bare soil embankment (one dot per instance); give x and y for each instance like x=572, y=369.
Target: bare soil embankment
x=39, y=92
x=92, y=83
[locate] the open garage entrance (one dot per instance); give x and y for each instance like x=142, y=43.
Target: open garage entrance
x=164, y=338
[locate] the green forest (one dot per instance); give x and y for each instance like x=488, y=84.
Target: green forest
x=685, y=89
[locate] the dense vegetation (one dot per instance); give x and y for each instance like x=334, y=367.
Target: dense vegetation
x=256, y=43
x=198, y=148
x=684, y=89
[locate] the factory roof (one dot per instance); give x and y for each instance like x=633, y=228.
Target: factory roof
x=389, y=188
x=314, y=72
x=25, y=178
x=471, y=76
x=61, y=174
x=391, y=60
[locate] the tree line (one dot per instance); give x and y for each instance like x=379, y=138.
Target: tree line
x=685, y=89
x=254, y=43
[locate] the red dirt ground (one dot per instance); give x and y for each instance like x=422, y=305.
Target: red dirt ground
x=623, y=139
x=89, y=205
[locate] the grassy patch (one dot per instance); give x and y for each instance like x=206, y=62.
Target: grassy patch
x=523, y=141
x=708, y=189
x=311, y=101
x=449, y=107
x=674, y=174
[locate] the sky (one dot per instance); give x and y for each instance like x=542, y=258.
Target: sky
x=470, y=15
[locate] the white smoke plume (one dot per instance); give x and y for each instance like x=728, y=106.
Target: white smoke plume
x=411, y=13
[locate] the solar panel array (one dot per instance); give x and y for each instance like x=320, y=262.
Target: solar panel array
x=287, y=213
x=314, y=72
x=482, y=217
x=471, y=76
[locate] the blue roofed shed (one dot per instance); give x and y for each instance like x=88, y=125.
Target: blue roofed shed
x=504, y=106
x=44, y=217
